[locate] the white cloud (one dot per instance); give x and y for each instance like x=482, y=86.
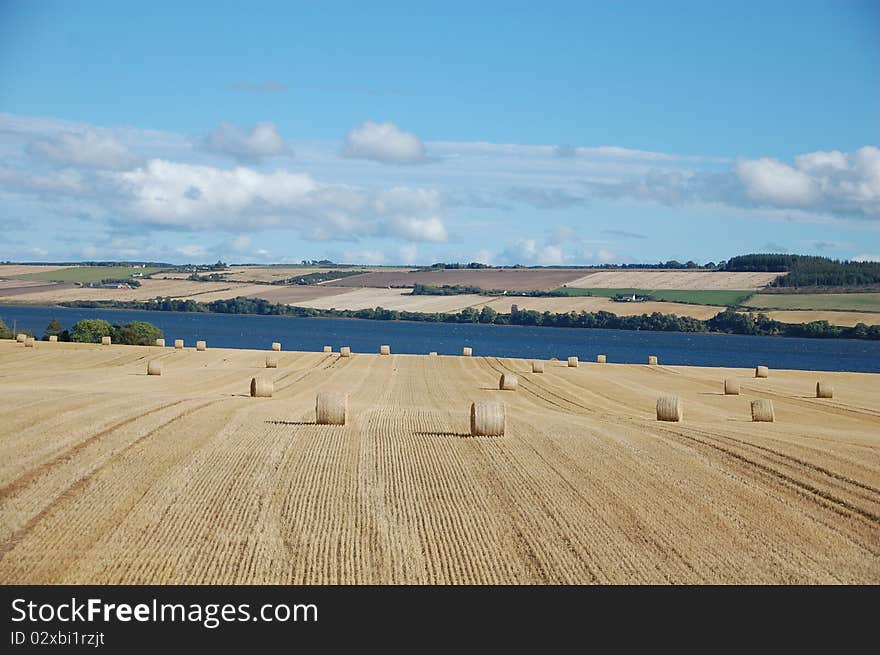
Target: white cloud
x=368, y=257
x=383, y=142
x=529, y=252
x=409, y=254
x=416, y=229
x=87, y=148
x=172, y=193
x=262, y=141
x=772, y=181
x=866, y=258
x=241, y=244
x=193, y=250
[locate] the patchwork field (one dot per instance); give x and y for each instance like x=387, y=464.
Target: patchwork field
x=846, y=319
x=511, y=279
x=649, y=279
x=202, y=291
x=596, y=304
x=400, y=299
x=690, y=296
x=864, y=302
x=7, y=270
x=110, y=476
x=87, y=274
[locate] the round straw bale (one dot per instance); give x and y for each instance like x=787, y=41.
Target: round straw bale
x=53, y=338
x=106, y=341
x=573, y=362
x=21, y=337
x=201, y=345
x=669, y=408
x=731, y=387
x=328, y=349
x=762, y=410
x=271, y=361
x=762, y=371
x=824, y=390
x=600, y=359
x=652, y=360
x=331, y=408
x=553, y=359
x=262, y=388
x=508, y=382
x=467, y=351
x=178, y=344
x=345, y=351
x=433, y=353
x=537, y=367
x=487, y=419
x=276, y=346
x=30, y=342
x=160, y=343
x=384, y=350
x=154, y=367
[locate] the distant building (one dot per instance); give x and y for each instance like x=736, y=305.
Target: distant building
x=629, y=298
x=514, y=309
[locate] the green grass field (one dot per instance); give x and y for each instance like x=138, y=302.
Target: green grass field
x=87, y=274
x=855, y=302
x=666, y=295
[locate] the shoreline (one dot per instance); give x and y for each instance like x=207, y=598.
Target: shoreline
x=734, y=322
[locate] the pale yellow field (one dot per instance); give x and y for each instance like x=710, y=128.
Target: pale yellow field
x=7, y=270
x=847, y=319
x=110, y=476
x=202, y=291
x=596, y=304
x=684, y=280
x=274, y=273
x=400, y=299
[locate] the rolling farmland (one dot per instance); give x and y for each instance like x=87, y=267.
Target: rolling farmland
x=108, y=475
x=864, y=302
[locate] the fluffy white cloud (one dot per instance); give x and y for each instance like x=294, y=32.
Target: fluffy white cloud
x=408, y=254
x=416, y=229
x=204, y=197
x=87, y=148
x=383, y=142
x=770, y=180
x=171, y=193
x=529, y=252
x=866, y=258
x=193, y=250
x=262, y=141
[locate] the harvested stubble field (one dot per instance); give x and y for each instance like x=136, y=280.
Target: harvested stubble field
x=675, y=279
x=110, y=476
x=511, y=279
x=597, y=304
x=184, y=289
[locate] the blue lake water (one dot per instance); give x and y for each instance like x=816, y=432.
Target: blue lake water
x=625, y=346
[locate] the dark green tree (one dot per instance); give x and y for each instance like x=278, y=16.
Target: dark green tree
x=90, y=330
x=54, y=329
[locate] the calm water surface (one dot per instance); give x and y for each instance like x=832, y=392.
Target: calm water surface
x=243, y=331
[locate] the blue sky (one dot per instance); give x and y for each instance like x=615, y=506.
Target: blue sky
x=534, y=133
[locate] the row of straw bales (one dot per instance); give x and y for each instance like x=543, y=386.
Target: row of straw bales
x=670, y=408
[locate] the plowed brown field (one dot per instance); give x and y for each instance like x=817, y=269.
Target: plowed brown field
x=110, y=476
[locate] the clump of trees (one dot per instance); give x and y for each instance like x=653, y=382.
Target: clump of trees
x=808, y=270
x=5, y=332
x=136, y=333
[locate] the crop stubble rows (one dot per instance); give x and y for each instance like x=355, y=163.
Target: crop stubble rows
x=109, y=476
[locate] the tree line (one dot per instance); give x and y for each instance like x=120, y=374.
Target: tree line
x=808, y=270
x=89, y=330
